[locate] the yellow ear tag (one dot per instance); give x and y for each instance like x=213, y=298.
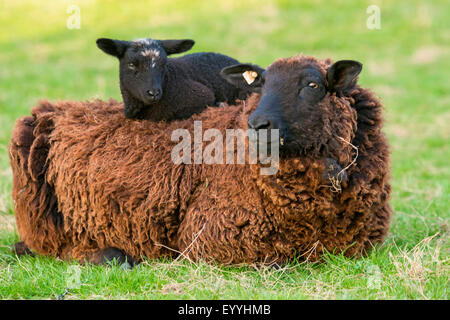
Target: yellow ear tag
x=250, y=76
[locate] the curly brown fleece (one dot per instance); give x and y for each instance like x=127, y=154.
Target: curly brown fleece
x=85, y=179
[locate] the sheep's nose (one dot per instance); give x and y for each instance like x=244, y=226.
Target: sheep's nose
x=259, y=122
x=154, y=94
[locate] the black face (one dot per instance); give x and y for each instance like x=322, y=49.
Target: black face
x=297, y=99
x=142, y=68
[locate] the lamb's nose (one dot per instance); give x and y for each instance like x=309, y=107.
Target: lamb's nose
x=154, y=94
x=259, y=122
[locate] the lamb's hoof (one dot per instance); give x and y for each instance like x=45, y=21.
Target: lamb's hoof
x=220, y=104
x=110, y=256
x=20, y=249
x=334, y=174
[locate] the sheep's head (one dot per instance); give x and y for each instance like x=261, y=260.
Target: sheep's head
x=305, y=99
x=142, y=68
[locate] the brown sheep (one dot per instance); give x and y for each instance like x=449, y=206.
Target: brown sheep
x=89, y=184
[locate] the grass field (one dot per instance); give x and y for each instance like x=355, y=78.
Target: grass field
x=406, y=62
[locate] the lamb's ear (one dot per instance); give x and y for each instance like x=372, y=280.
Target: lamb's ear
x=177, y=46
x=115, y=48
x=244, y=76
x=343, y=74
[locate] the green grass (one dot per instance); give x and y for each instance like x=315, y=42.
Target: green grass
x=406, y=63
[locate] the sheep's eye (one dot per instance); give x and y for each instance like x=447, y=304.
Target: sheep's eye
x=132, y=66
x=313, y=85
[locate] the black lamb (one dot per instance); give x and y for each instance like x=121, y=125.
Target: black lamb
x=155, y=87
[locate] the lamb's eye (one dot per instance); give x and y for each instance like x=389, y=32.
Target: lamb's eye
x=132, y=66
x=313, y=85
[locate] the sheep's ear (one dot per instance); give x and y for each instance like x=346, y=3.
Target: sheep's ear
x=244, y=76
x=343, y=74
x=177, y=46
x=115, y=48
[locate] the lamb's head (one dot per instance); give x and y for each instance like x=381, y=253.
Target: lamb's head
x=142, y=68
x=306, y=99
